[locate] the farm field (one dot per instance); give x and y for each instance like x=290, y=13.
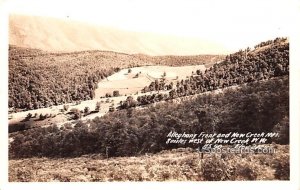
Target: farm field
x=139, y=77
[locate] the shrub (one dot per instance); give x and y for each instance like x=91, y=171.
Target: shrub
x=212, y=169
x=282, y=169
x=76, y=112
x=107, y=95
x=42, y=117
x=86, y=110
x=29, y=115
x=247, y=172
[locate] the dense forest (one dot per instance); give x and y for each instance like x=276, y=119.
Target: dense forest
x=269, y=59
x=41, y=79
x=261, y=106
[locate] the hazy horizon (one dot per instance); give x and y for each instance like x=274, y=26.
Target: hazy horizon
x=56, y=34
x=198, y=27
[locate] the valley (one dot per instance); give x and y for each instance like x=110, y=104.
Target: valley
x=126, y=84
x=110, y=112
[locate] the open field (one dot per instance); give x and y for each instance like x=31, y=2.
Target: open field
x=139, y=77
x=174, y=165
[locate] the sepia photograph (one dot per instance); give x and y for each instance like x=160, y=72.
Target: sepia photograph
x=148, y=91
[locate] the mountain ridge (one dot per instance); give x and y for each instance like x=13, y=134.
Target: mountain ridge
x=60, y=35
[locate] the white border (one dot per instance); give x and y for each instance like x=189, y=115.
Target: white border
x=3, y=94
x=294, y=183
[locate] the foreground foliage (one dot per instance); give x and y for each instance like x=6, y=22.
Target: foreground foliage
x=173, y=165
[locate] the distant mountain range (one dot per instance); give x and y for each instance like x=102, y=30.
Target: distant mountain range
x=52, y=34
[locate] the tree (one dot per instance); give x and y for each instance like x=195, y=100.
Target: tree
x=98, y=106
x=42, y=117
x=29, y=115
x=283, y=128
x=128, y=103
x=86, y=110
x=129, y=112
x=116, y=93
x=111, y=108
x=76, y=112
x=77, y=115
x=173, y=94
x=107, y=95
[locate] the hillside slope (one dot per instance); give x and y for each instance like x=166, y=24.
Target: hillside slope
x=264, y=62
x=258, y=107
x=40, y=79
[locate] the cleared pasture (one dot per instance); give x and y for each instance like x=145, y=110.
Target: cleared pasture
x=133, y=81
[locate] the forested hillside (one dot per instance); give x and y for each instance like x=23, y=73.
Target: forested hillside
x=258, y=107
x=41, y=79
x=268, y=59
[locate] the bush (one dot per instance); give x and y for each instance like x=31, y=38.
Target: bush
x=246, y=172
x=211, y=170
x=108, y=95
x=42, y=117
x=29, y=115
x=76, y=112
x=282, y=169
x=86, y=110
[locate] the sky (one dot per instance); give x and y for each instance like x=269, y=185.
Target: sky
x=233, y=23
